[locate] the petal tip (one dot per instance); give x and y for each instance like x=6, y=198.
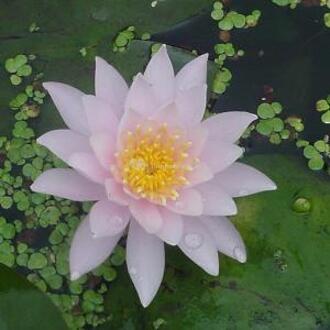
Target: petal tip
x=33, y=187
x=47, y=85
x=74, y=275
x=240, y=254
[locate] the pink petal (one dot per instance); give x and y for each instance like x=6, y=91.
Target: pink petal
x=241, y=180
x=67, y=183
x=228, y=126
x=168, y=114
x=110, y=85
x=87, y=252
x=188, y=203
x=87, y=165
x=191, y=105
x=193, y=73
x=141, y=97
x=128, y=122
x=116, y=193
x=172, y=228
x=108, y=219
x=227, y=238
x=201, y=173
x=100, y=115
x=68, y=101
x=215, y=200
x=198, y=245
x=146, y=214
x=160, y=74
x=198, y=136
x=145, y=258
x=219, y=155
x=64, y=142
x=104, y=148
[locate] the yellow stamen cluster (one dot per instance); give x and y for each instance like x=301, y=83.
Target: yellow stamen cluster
x=154, y=163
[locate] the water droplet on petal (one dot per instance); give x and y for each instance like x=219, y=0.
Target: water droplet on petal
x=239, y=254
x=193, y=241
x=117, y=221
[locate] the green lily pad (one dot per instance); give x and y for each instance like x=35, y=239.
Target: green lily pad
x=23, y=307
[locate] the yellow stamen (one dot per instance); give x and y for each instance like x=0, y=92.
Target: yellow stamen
x=154, y=162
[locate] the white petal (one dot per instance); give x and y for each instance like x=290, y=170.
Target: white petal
x=193, y=73
x=147, y=215
x=228, y=126
x=227, y=238
x=110, y=85
x=64, y=142
x=87, y=165
x=87, y=252
x=145, y=257
x=191, y=105
x=100, y=115
x=219, y=155
x=241, y=180
x=160, y=74
x=104, y=148
x=215, y=200
x=68, y=101
x=199, y=245
x=108, y=219
x=189, y=202
x=67, y=183
x=172, y=227
x=141, y=97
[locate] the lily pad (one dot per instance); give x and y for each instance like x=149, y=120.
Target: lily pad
x=23, y=307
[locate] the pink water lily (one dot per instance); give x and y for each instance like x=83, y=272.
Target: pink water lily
x=152, y=165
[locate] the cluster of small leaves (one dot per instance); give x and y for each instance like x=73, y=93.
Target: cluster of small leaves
x=123, y=39
x=19, y=68
x=273, y=126
x=291, y=3
x=315, y=153
x=277, y=129
x=223, y=75
x=323, y=106
x=27, y=218
x=227, y=20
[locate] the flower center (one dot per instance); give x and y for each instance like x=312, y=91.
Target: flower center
x=154, y=162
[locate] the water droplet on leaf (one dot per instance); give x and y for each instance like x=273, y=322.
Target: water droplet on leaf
x=301, y=205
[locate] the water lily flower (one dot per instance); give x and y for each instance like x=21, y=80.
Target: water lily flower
x=154, y=168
